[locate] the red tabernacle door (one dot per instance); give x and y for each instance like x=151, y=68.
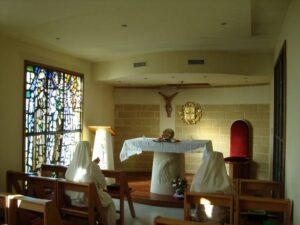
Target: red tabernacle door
x=240, y=149
x=240, y=139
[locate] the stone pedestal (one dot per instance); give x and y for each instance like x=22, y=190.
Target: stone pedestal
x=165, y=168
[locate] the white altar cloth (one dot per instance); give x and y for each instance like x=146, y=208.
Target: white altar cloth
x=168, y=159
x=138, y=145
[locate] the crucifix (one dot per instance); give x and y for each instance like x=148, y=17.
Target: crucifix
x=168, y=105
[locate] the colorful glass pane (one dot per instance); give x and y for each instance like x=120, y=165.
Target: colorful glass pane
x=53, y=116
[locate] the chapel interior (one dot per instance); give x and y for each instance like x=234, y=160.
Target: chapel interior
x=141, y=65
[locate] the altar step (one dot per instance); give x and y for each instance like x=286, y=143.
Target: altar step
x=140, y=184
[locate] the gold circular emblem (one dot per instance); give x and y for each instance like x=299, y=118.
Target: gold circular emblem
x=190, y=113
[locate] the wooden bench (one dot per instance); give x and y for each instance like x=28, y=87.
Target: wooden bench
x=246, y=203
x=42, y=187
x=159, y=220
x=54, y=189
x=44, y=207
x=4, y=207
x=121, y=192
x=260, y=188
x=17, y=182
x=235, y=185
x=31, y=185
x=194, y=198
x=51, y=170
x=91, y=212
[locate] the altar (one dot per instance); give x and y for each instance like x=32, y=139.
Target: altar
x=168, y=159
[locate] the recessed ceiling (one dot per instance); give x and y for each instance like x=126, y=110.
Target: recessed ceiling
x=105, y=30
x=184, y=80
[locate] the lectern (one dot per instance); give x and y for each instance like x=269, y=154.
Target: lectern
x=103, y=146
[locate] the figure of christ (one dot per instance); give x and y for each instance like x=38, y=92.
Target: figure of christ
x=168, y=105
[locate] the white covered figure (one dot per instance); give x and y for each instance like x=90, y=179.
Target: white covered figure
x=211, y=177
x=82, y=169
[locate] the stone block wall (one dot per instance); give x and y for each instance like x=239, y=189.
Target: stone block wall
x=215, y=125
x=131, y=121
x=137, y=120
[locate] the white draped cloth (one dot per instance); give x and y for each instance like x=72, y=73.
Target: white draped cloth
x=168, y=159
x=211, y=177
x=138, y=145
x=103, y=149
x=82, y=169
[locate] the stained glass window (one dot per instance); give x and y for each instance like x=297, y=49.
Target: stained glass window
x=53, y=115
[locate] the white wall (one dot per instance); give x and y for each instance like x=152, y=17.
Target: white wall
x=291, y=33
x=98, y=98
x=216, y=62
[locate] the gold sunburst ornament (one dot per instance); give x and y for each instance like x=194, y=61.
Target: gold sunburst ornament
x=190, y=113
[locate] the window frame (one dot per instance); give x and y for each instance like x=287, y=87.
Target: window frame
x=44, y=66
x=279, y=123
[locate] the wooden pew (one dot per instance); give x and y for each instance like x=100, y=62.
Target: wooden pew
x=94, y=208
x=194, y=198
x=235, y=185
x=121, y=192
x=43, y=187
x=260, y=188
x=17, y=182
x=51, y=170
x=44, y=207
x=4, y=207
x=31, y=185
x=159, y=220
x=246, y=203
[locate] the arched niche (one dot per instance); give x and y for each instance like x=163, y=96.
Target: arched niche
x=240, y=139
x=240, y=149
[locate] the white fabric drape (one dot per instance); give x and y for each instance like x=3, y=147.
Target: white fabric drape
x=103, y=149
x=82, y=169
x=211, y=176
x=138, y=145
x=77, y=170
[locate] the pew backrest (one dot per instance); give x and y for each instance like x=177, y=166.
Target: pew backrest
x=4, y=197
x=195, y=198
x=93, y=207
x=51, y=170
x=121, y=192
x=260, y=188
x=17, y=182
x=246, y=203
x=43, y=187
x=45, y=207
x=235, y=185
x=159, y=220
